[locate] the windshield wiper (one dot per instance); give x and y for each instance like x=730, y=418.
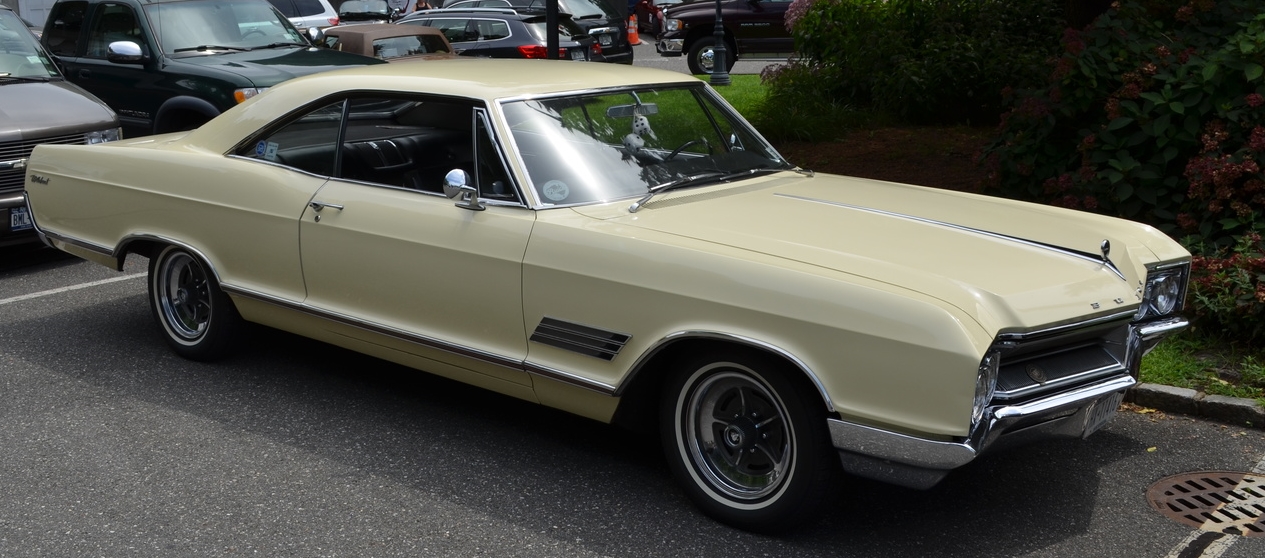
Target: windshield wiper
x=278, y=45
x=693, y=180
x=37, y=79
x=204, y=48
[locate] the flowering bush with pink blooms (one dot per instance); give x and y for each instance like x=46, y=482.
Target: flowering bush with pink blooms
x=1227, y=292
x=1154, y=112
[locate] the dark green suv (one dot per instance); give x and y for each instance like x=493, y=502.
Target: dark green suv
x=172, y=65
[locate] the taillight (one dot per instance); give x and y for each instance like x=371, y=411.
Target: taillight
x=533, y=51
x=597, y=48
x=332, y=21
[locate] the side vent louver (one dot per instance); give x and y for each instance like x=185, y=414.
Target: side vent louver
x=579, y=339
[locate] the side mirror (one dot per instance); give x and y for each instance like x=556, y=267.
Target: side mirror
x=316, y=35
x=457, y=186
x=124, y=52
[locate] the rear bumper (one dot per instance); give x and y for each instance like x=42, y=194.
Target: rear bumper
x=1073, y=413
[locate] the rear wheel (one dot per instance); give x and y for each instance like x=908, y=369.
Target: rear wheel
x=197, y=318
x=748, y=445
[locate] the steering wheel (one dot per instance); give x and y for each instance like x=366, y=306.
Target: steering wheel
x=678, y=150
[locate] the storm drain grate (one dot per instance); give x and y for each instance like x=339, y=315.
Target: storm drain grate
x=1218, y=501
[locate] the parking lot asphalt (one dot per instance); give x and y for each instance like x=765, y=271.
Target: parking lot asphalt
x=645, y=54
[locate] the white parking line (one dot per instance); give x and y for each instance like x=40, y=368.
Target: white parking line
x=20, y=298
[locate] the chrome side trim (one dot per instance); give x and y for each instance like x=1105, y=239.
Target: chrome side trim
x=579, y=338
x=1094, y=258
x=422, y=340
x=696, y=334
x=569, y=378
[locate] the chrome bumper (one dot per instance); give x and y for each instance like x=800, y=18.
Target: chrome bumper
x=1075, y=413
x=670, y=47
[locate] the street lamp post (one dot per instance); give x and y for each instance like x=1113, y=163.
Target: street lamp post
x=720, y=70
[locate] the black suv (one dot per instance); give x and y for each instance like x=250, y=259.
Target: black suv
x=172, y=65
x=504, y=33
x=596, y=17
x=754, y=29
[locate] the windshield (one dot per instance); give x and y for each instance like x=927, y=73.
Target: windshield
x=607, y=146
x=220, y=25
x=20, y=54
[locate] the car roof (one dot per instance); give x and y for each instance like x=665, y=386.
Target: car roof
x=487, y=79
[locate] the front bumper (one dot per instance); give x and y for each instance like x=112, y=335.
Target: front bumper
x=1076, y=412
x=670, y=47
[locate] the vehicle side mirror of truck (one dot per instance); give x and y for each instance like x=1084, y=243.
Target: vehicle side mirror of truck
x=124, y=52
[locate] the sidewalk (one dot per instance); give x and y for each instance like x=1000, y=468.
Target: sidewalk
x=1230, y=410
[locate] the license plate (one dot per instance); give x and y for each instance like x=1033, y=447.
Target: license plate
x=577, y=54
x=1102, y=412
x=19, y=219
x=605, y=40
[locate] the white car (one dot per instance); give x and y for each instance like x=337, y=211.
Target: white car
x=305, y=14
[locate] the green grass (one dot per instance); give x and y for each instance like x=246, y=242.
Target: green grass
x=1204, y=365
x=744, y=92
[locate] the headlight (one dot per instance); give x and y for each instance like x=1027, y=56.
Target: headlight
x=673, y=25
x=247, y=92
x=102, y=136
x=1164, y=291
x=985, y=385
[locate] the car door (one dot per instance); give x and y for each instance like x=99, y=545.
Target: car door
x=762, y=28
x=385, y=251
x=125, y=87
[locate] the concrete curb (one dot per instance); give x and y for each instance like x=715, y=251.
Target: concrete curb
x=1230, y=410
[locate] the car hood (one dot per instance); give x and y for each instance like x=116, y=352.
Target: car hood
x=268, y=67
x=1007, y=264
x=30, y=110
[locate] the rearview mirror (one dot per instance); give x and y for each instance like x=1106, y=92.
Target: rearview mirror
x=627, y=111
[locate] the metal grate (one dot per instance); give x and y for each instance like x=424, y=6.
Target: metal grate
x=13, y=179
x=1217, y=501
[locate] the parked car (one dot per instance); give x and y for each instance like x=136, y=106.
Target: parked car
x=365, y=11
x=37, y=106
x=617, y=242
x=505, y=33
x=389, y=42
x=754, y=30
x=307, y=14
x=595, y=17
x=172, y=65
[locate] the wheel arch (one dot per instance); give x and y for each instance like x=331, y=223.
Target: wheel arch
x=640, y=390
x=709, y=31
x=169, y=114
x=149, y=245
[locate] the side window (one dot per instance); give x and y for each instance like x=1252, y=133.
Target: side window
x=308, y=143
x=491, y=30
x=407, y=142
x=453, y=28
x=492, y=177
x=114, y=22
x=62, y=34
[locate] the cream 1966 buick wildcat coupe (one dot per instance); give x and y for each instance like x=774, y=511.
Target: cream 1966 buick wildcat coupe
x=618, y=243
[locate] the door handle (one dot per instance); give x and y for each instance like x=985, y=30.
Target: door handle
x=85, y=74
x=317, y=206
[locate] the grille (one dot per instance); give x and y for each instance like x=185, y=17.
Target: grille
x=1217, y=501
x=1035, y=365
x=12, y=179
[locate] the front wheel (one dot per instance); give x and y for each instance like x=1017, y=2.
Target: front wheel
x=702, y=56
x=197, y=318
x=748, y=445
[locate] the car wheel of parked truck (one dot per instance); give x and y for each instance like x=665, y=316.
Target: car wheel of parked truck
x=748, y=444
x=197, y=318
x=702, y=56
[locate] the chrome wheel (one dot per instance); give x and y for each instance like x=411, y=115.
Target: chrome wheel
x=197, y=318
x=184, y=296
x=745, y=436
x=736, y=433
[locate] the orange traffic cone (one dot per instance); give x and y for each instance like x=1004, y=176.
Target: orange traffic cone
x=634, y=38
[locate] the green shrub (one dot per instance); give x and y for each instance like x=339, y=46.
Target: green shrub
x=1154, y=113
x=1227, y=291
x=924, y=61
